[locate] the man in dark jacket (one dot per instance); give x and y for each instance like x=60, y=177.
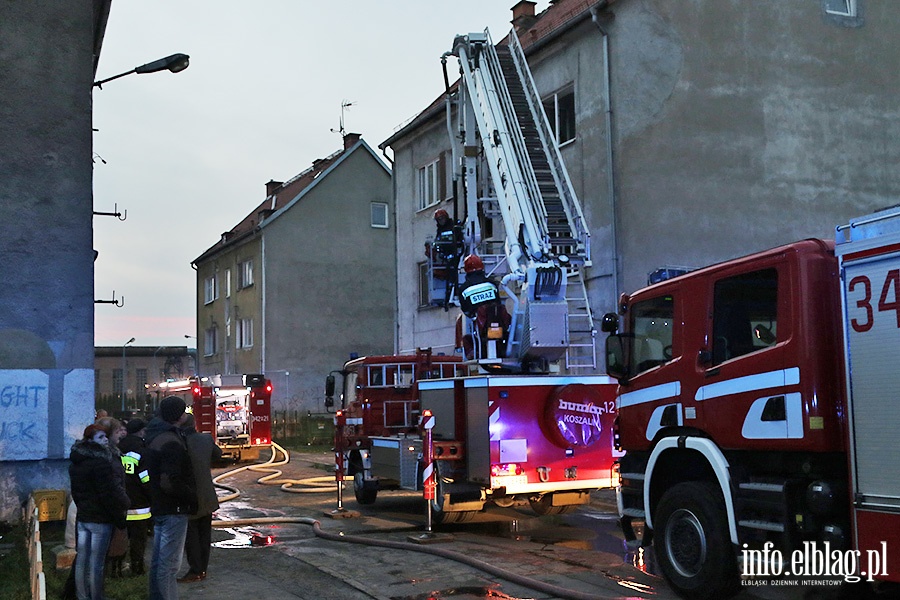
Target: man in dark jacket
x=137, y=484
x=203, y=450
x=173, y=495
x=479, y=299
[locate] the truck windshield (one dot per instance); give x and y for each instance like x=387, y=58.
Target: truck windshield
x=651, y=324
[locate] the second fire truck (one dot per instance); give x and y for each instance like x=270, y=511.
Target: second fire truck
x=510, y=426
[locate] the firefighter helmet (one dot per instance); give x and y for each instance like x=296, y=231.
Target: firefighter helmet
x=473, y=263
x=441, y=214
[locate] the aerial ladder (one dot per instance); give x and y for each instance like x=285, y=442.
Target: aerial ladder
x=497, y=124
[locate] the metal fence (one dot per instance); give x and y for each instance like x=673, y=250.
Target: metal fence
x=302, y=427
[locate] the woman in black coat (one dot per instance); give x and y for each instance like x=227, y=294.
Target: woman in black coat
x=99, y=495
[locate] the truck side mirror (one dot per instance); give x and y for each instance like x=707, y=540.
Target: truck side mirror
x=618, y=353
x=329, y=386
x=329, y=403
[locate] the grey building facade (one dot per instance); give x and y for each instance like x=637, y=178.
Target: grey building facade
x=305, y=281
x=693, y=132
x=49, y=55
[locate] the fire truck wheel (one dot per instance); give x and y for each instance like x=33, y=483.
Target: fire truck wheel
x=544, y=506
x=364, y=494
x=691, y=541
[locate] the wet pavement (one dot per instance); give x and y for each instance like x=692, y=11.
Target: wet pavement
x=579, y=555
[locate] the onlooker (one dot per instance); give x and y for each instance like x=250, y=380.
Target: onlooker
x=118, y=545
x=203, y=450
x=101, y=501
x=173, y=495
x=137, y=484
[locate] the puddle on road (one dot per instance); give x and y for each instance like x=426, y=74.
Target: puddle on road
x=244, y=538
x=581, y=530
x=463, y=593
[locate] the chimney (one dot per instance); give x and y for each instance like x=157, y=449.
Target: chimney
x=264, y=214
x=523, y=14
x=272, y=186
x=350, y=139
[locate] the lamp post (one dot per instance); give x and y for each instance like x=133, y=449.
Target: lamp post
x=174, y=63
x=123, y=371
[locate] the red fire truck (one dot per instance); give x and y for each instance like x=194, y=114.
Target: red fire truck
x=234, y=409
x=757, y=411
x=539, y=440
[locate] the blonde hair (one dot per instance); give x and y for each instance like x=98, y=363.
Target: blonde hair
x=108, y=425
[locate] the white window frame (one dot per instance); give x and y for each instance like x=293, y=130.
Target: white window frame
x=428, y=185
x=244, y=337
x=382, y=208
x=210, y=289
x=245, y=274
x=849, y=8
x=228, y=283
x=553, y=117
x=210, y=338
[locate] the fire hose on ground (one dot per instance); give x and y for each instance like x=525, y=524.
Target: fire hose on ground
x=309, y=485
x=327, y=483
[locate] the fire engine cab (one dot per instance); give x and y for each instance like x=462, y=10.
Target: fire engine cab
x=757, y=411
x=234, y=409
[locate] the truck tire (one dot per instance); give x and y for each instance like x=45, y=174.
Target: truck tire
x=364, y=494
x=692, y=544
x=544, y=506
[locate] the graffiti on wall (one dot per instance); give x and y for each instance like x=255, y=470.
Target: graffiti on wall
x=24, y=403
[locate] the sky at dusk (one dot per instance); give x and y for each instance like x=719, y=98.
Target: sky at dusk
x=188, y=155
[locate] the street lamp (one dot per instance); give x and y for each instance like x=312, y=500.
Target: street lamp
x=175, y=63
x=123, y=372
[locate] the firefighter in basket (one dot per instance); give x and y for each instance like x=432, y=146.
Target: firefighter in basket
x=479, y=299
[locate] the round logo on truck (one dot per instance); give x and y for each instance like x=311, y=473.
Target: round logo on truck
x=572, y=417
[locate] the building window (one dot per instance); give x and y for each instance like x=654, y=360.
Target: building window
x=840, y=8
x=245, y=275
x=228, y=283
x=210, y=342
x=431, y=184
x=424, y=296
x=380, y=215
x=118, y=383
x=140, y=383
x=560, y=109
x=244, y=336
x=210, y=289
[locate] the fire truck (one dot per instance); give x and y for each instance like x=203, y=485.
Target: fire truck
x=757, y=411
x=508, y=440
x=510, y=426
x=234, y=409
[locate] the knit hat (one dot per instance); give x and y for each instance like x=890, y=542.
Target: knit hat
x=135, y=425
x=171, y=408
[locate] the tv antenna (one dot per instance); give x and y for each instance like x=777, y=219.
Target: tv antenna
x=345, y=105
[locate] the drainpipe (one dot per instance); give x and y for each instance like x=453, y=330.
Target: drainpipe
x=610, y=179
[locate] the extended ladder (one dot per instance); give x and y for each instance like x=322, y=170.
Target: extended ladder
x=544, y=223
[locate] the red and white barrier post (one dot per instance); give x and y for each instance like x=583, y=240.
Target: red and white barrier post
x=428, y=474
x=340, y=421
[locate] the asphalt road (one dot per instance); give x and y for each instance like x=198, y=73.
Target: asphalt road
x=581, y=555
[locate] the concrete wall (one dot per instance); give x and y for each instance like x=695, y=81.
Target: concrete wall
x=330, y=280
x=46, y=307
x=742, y=129
x=735, y=128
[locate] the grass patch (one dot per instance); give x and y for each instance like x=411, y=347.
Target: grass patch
x=14, y=584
